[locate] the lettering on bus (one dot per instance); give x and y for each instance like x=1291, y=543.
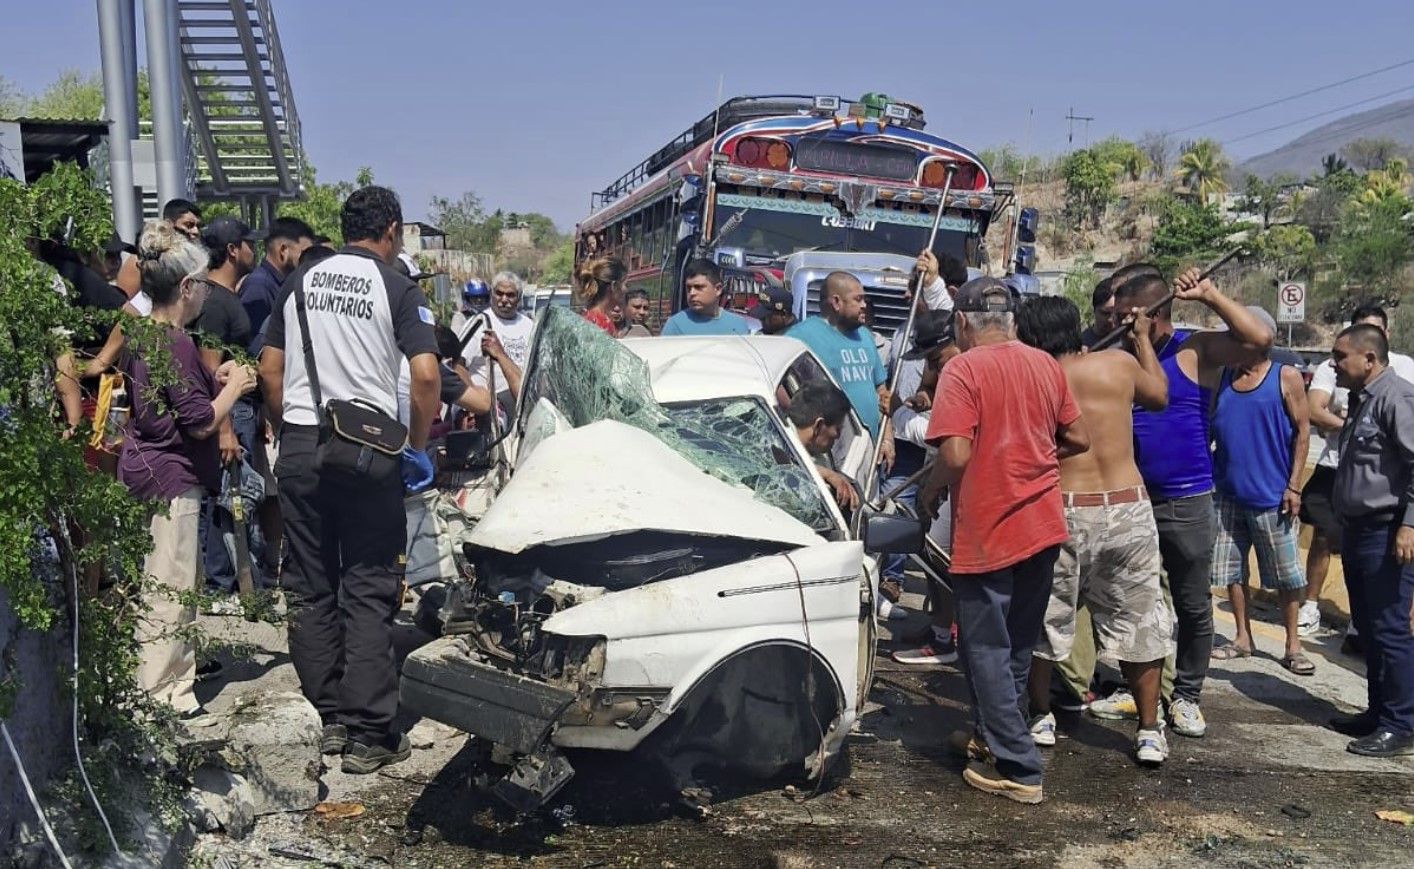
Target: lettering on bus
x=856, y=158
x=840, y=222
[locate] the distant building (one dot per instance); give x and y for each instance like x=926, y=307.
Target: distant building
x=419, y=236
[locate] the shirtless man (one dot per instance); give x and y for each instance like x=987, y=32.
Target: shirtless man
x=1111, y=561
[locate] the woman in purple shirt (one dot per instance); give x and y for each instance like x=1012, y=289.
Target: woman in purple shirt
x=169, y=457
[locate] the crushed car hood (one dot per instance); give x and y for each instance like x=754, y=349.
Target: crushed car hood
x=609, y=478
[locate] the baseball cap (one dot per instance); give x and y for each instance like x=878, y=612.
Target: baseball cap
x=984, y=295
x=225, y=230
x=414, y=271
x=116, y=246
x=776, y=298
x=932, y=329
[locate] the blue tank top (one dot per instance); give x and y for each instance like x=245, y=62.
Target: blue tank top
x=1171, y=445
x=1252, y=462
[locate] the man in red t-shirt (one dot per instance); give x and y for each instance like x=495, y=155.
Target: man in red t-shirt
x=1002, y=419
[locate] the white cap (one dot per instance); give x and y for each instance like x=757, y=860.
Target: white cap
x=414, y=270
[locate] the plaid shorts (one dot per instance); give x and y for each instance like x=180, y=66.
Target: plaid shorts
x=1274, y=536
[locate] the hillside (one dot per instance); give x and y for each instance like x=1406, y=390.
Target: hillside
x=1302, y=156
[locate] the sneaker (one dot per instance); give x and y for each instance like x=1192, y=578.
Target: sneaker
x=1043, y=730
x=1308, y=619
x=1151, y=746
x=1118, y=706
x=362, y=759
x=888, y=611
x=932, y=652
x=334, y=739
x=984, y=777
x=1187, y=719
x=226, y=606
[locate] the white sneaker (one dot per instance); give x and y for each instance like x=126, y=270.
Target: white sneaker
x=1187, y=719
x=888, y=611
x=1308, y=619
x=1043, y=730
x=1151, y=746
x=1119, y=705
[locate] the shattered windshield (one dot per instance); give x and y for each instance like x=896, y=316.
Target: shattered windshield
x=589, y=377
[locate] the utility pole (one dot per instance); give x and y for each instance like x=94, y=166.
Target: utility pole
x=1072, y=117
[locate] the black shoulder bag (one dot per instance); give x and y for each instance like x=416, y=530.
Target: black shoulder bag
x=355, y=437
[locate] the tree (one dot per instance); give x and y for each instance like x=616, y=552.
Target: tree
x=466, y=223
x=558, y=267
x=1201, y=169
x=1369, y=155
x=1123, y=158
x=1286, y=251
x=12, y=99
x=1188, y=232
x=1089, y=187
x=321, y=205
x=1374, y=242
x=1158, y=148
x=1331, y=165
x=72, y=96
x=1078, y=285
x=1265, y=197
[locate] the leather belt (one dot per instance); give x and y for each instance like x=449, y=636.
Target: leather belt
x=1105, y=499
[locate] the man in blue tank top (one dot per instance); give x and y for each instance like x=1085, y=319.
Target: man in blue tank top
x=1171, y=449
x=1261, y=432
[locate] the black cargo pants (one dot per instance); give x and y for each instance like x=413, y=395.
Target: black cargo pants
x=345, y=540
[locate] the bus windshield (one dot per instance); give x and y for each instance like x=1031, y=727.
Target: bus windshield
x=770, y=230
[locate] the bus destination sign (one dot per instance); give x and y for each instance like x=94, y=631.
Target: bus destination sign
x=853, y=158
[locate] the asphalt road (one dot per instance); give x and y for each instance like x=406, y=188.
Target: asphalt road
x=1268, y=786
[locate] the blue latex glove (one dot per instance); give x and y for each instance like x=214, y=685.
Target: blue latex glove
x=417, y=470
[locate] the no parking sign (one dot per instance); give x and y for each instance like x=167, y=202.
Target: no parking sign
x=1291, y=303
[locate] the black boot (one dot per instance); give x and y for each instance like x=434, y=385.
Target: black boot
x=361, y=758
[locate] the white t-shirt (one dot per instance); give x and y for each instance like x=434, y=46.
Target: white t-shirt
x=1324, y=380
x=515, y=336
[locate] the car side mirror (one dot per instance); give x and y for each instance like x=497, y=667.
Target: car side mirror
x=893, y=535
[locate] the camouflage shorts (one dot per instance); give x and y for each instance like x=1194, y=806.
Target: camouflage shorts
x=1111, y=563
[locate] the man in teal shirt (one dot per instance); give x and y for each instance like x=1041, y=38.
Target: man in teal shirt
x=704, y=315
x=847, y=348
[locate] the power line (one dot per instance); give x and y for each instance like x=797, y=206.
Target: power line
x=1287, y=99
x=1345, y=131
x=1333, y=111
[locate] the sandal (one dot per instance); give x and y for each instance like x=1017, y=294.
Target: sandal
x=1229, y=651
x=1299, y=664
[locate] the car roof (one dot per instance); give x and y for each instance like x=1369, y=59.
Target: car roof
x=691, y=369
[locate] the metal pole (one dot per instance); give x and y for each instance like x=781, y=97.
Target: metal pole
x=162, y=72
x=120, y=105
x=127, y=15
x=873, y=469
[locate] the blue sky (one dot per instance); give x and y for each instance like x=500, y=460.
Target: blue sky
x=533, y=105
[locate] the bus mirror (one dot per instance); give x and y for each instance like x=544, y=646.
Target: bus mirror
x=1025, y=259
x=731, y=257
x=1026, y=225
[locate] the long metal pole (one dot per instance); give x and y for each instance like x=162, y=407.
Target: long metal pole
x=908, y=326
x=1120, y=331
x=120, y=105
x=162, y=72
x=127, y=14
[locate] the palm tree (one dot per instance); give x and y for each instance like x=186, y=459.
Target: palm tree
x=1202, y=167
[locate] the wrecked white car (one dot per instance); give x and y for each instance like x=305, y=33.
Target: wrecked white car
x=664, y=571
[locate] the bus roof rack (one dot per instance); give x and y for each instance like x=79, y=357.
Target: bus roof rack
x=730, y=113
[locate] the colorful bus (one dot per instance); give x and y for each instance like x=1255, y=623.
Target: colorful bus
x=764, y=177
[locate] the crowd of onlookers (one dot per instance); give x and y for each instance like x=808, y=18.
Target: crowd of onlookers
x=1087, y=501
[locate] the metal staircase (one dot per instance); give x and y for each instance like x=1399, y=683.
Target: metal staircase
x=239, y=101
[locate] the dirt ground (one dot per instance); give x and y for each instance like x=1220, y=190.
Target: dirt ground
x=1269, y=786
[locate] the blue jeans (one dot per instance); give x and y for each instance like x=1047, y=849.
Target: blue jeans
x=1381, y=590
x=215, y=524
x=999, y=619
